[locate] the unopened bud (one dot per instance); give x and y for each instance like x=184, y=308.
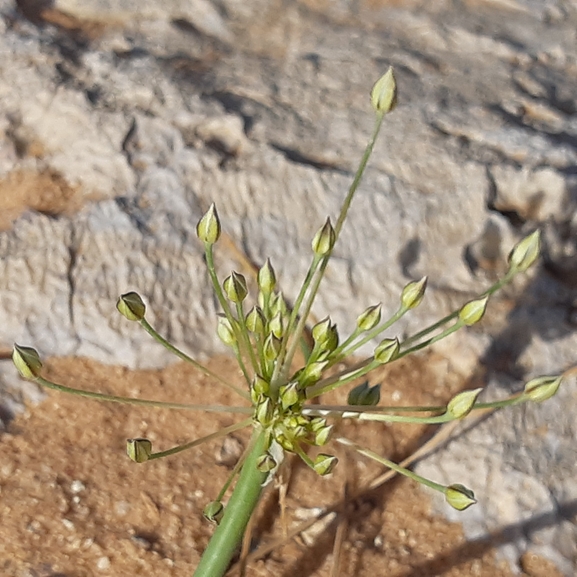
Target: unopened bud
x=462, y=404
x=370, y=318
x=459, y=497
x=266, y=278
x=255, y=321
x=364, y=395
x=324, y=464
x=131, y=306
x=213, y=512
x=384, y=93
x=266, y=463
x=139, y=450
x=271, y=347
x=323, y=435
x=387, y=350
x=276, y=325
x=264, y=412
x=413, y=293
x=324, y=239
x=225, y=332
x=312, y=373
x=235, y=287
x=542, y=388
x=208, y=227
x=27, y=361
x=473, y=311
x=525, y=253
x=290, y=394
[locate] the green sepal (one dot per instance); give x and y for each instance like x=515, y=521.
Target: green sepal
x=208, y=227
x=459, y=497
x=131, y=306
x=27, y=361
x=139, y=450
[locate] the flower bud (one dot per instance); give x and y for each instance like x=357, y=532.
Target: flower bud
x=213, y=512
x=271, y=347
x=324, y=239
x=235, y=287
x=459, y=497
x=525, y=252
x=260, y=386
x=290, y=394
x=323, y=435
x=139, y=450
x=27, y=361
x=208, y=227
x=370, y=318
x=473, y=311
x=413, y=293
x=324, y=464
x=364, y=395
x=266, y=463
x=462, y=404
x=276, y=325
x=130, y=306
x=384, y=93
x=311, y=373
x=264, y=412
x=255, y=321
x=225, y=332
x=387, y=350
x=266, y=278
x=542, y=388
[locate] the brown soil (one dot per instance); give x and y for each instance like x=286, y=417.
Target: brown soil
x=74, y=505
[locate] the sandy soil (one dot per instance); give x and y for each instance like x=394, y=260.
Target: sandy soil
x=73, y=504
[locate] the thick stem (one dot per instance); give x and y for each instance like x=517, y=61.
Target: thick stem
x=243, y=501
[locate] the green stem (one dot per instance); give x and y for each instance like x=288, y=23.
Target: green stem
x=149, y=403
x=326, y=258
x=196, y=442
x=243, y=501
x=183, y=356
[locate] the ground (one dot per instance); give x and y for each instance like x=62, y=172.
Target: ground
x=73, y=504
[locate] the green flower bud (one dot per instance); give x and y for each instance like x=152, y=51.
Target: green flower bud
x=413, y=293
x=324, y=239
x=260, y=386
x=311, y=373
x=271, y=347
x=278, y=305
x=370, y=318
x=266, y=463
x=384, y=93
x=317, y=423
x=139, y=450
x=387, y=350
x=473, y=311
x=320, y=330
x=225, y=332
x=290, y=394
x=130, y=306
x=213, y=512
x=208, y=227
x=364, y=395
x=323, y=435
x=27, y=361
x=324, y=464
x=255, y=321
x=542, y=388
x=235, y=287
x=276, y=325
x=462, y=404
x=264, y=412
x=525, y=252
x=459, y=497
x=266, y=278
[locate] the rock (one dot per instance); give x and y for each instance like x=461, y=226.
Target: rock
x=122, y=122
